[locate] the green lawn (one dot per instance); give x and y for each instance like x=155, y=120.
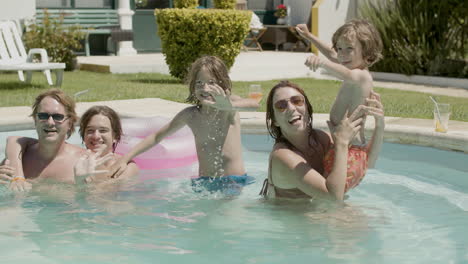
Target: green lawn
x=103, y=87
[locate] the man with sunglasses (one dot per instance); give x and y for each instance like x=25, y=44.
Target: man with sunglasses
x=51, y=157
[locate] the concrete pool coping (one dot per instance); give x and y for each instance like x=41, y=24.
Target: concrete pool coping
x=399, y=130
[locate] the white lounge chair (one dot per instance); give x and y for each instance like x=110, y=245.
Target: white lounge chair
x=13, y=56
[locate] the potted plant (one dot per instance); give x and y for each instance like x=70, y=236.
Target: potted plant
x=59, y=41
x=281, y=13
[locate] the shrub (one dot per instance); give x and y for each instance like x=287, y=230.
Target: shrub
x=185, y=3
x=187, y=34
x=225, y=4
x=421, y=36
x=58, y=40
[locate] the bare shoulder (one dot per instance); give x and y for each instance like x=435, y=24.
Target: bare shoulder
x=282, y=153
x=74, y=149
x=279, y=149
x=187, y=114
x=21, y=140
x=361, y=77
x=358, y=89
x=190, y=110
x=14, y=138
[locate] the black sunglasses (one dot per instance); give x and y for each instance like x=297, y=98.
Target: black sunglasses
x=55, y=117
x=296, y=100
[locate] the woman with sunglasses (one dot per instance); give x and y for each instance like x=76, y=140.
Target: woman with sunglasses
x=50, y=156
x=296, y=167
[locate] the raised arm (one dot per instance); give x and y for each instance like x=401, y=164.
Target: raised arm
x=244, y=104
x=175, y=124
x=375, y=109
x=357, y=76
x=323, y=47
x=229, y=102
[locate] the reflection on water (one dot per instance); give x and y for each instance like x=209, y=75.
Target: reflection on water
x=403, y=212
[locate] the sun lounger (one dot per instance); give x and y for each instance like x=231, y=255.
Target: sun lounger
x=13, y=56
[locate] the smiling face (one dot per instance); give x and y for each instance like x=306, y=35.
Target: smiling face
x=206, y=71
x=49, y=129
x=98, y=131
x=349, y=52
x=203, y=83
x=290, y=110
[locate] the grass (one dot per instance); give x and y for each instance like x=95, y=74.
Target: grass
x=105, y=87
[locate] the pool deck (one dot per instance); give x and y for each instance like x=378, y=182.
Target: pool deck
x=248, y=67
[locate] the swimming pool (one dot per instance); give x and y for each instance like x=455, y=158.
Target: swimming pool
x=413, y=208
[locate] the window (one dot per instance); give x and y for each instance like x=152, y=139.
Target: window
x=109, y=4
x=152, y=4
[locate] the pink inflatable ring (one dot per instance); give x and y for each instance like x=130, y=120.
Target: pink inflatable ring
x=174, y=156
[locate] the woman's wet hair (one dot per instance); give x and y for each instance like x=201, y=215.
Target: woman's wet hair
x=108, y=112
x=216, y=67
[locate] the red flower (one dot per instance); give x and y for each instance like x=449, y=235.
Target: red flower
x=281, y=11
x=281, y=6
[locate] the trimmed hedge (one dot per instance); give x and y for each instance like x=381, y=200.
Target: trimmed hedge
x=185, y=3
x=225, y=4
x=187, y=34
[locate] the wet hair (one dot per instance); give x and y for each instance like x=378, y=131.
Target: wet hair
x=65, y=100
x=216, y=67
x=107, y=112
x=366, y=34
x=274, y=130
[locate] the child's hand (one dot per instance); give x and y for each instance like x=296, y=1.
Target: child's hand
x=6, y=172
x=348, y=127
x=88, y=163
x=375, y=108
x=19, y=184
x=15, y=183
x=313, y=62
x=303, y=31
x=222, y=98
x=117, y=168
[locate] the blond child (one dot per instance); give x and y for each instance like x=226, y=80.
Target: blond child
x=355, y=46
x=215, y=124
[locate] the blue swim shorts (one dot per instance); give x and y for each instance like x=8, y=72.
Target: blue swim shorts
x=229, y=185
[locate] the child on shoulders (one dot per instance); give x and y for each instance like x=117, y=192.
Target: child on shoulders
x=356, y=46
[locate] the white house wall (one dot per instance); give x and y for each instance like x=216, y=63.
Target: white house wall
x=332, y=14
x=17, y=9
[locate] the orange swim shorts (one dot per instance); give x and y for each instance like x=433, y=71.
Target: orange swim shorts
x=357, y=165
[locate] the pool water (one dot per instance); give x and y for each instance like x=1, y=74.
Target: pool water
x=413, y=208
